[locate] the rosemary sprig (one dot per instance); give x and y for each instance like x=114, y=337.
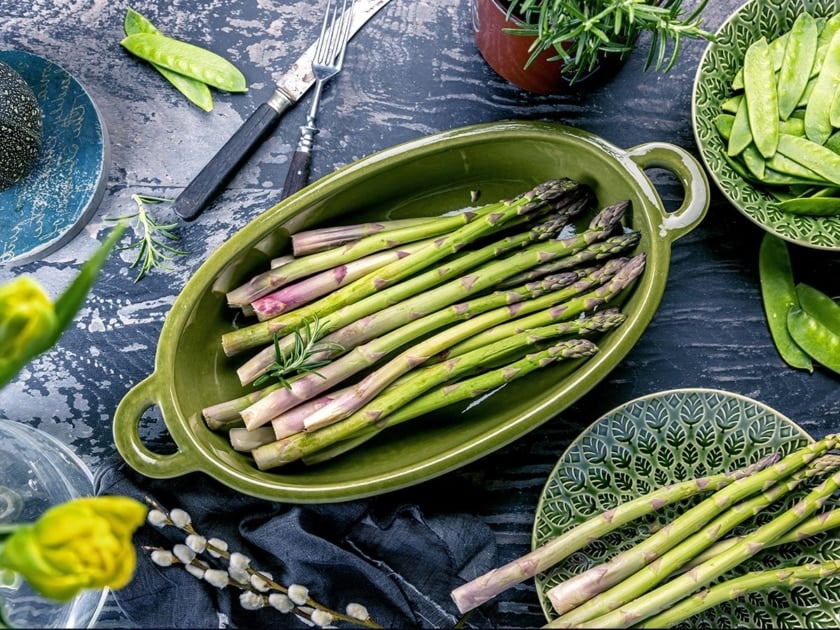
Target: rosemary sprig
x=581, y=32
x=153, y=250
x=299, y=360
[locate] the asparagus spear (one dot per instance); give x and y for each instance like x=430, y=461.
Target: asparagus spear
x=368, y=354
x=668, y=594
x=584, y=586
x=310, y=288
x=728, y=590
x=569, y=199
x=452, y=271
x=224, y=414
x=296, y=446
x=323, y=238
x=597, y=251
x=659, y=570
x=455, y=231
x=479, y=590
x=383, y=299
x=469, y=388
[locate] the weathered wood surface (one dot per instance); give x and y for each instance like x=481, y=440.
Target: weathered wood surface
x=412, y=71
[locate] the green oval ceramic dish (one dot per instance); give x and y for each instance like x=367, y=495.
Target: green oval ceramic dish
x=429, y=175
x=671, y=436
x=718, y=66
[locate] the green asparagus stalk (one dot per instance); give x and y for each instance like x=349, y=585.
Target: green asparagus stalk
x=814, y=526
x=375, y=382
x=260, y=362
x=323, y=238
x=529, y=319
x=659, y=569
x=367, y=355
x=482, y=589
x=755, y=581
x=294, y=420
x=668, y=594
x=455, y=232
x=602, y=250
x=292, y=296
x=568, y=198
x=299, y=445
x=584, y=586
x=469, y=388
x=225, y=414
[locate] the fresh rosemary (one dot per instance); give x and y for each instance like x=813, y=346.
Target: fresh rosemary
x=153, y=244
x=582, y=32
x=299, y=360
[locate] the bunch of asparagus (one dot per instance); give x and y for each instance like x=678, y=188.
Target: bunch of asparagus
x=687, y=565
x=371, y=325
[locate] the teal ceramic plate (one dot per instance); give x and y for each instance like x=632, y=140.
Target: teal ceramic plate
x=433, y=174
x=49, y=206
x=720, y=62
x=671, y=436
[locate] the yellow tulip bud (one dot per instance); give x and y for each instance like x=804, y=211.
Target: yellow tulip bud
x=82, y=544
x=27, y=322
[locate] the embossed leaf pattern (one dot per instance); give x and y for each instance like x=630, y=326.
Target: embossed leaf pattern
x=663, y=438
x=718, y=66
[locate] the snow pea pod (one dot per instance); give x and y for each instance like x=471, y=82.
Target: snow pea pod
x=818, y=110
x=800, y=53
x=762, y=97
x=815, y=338
x=811, y=206
x=188, y=59
x=819, y=306
x=740, y=135
x=816, y=157
x=778, y=296
x=197, y=92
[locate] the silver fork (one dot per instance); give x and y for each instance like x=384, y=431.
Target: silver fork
x=326, y=63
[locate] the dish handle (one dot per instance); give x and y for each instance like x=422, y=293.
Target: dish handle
x=690, y=174
x=129, y=443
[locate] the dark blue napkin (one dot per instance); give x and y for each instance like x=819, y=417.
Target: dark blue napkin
x=385, y=553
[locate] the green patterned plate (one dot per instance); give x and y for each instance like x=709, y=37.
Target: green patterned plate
x=671, y=436
x=718, y=66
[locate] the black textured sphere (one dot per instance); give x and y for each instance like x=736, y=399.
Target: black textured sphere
x=21, y=127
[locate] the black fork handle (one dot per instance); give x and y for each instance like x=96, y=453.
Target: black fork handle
x=223, y=166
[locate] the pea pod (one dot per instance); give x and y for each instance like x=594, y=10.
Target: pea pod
x=778, y=296
x=815, y=338
x=187, y=59
x=819, y=306
x=800, y=53
x=740, y=136
x=197, y=92
x=818, y=111
x=811, y=206
x=762, y=99
x=816, y=157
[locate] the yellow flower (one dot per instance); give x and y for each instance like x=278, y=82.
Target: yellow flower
x=27, y=322
x=82, y=544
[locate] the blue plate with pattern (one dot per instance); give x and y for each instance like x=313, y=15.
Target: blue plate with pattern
x=48, y=207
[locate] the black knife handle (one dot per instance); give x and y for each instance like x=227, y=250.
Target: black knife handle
x=221, y=168
x=298, y=173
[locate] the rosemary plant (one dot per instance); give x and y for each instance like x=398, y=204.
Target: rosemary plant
x=581, y=32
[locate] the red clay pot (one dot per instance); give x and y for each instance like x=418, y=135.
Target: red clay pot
x=507, y=54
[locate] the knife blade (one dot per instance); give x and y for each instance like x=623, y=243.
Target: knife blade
x=289, y=89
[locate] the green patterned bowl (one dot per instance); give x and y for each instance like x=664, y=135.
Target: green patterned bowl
x=671, y=436
x=720, y=62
